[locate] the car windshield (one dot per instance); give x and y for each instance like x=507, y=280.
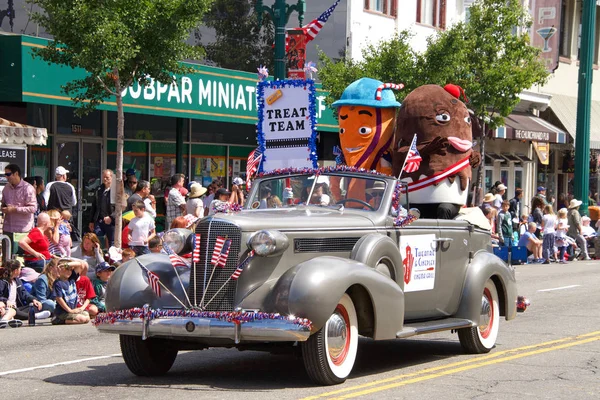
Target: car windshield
x=360, y=193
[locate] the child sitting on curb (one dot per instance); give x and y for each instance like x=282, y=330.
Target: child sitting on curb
x=65, y=291
x=103, y=273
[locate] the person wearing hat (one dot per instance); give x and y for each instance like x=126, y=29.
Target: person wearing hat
x=221, y=201
x=195, y=204
x=576, y=228
x=237, y=194
x=60, y=194
x=103, y=273
x=541, y=193
x=130, y=181
x=499, y=196
x=376, y=193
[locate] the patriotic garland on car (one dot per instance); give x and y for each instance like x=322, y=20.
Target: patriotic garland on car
x=236, y=317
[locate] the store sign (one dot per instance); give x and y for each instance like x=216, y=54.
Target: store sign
x=532, y=135
x=12, y=155
x=209, y=93
x=546, y=29
x=543, y=152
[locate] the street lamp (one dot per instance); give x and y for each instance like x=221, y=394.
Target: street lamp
x=584, y=103
x=280, y=14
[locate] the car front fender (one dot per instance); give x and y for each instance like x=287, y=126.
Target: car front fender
x=486, y=266
x=128, y=287
x=313, y=288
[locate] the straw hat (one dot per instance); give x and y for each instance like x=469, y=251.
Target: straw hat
x=488, y=198
x=575, y=203
x=197, y=190
x=378, y=186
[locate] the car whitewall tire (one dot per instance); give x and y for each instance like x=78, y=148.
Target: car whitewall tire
x=482, y=338
x=330, y=353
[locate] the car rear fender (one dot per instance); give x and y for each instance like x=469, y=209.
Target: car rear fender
x=128, y=287
x=313, y=288
x=486, y=266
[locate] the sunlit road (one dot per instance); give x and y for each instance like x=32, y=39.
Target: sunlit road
x=551, y=351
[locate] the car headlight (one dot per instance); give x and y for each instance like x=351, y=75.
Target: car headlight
x=177, y=240
x=268, y=243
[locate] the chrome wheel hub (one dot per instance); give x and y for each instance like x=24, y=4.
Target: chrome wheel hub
x=336, y=335
x=486, y=313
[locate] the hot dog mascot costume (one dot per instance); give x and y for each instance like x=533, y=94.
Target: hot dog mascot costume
x=444, y=129
x=366, y=115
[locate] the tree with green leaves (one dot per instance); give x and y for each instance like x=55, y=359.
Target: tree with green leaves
x=241, y=42
x=392, y=60
x=489, y=55
x=119, y=43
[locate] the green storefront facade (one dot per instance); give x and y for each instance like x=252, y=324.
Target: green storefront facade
x=212, y=112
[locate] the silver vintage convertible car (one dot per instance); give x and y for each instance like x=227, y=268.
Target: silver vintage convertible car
x=315, y=259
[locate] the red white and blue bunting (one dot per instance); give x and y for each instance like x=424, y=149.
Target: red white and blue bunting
x=233, y=317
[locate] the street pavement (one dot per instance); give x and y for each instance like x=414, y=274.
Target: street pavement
x=552, y=351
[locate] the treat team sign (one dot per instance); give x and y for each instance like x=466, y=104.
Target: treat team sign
x=286, y=127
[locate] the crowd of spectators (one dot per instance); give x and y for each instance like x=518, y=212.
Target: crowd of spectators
x=551, y=230
x=64, y=276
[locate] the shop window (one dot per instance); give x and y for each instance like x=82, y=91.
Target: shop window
x=71, y=124
x=40, y=160
x=564, y=47
x=39, y=115
x=209, y=163
x=223, y=133
x=432, y=12
x=489, y=179
x=387, y=7
x=146, y=127
x=135, y=155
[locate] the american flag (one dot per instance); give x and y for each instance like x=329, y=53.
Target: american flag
x=252, y=165
x=176, y=261
x=153, y=279
x=311, y=30
x=236, y=274
x=196, y=252
x=413, y=158
x=221, y=252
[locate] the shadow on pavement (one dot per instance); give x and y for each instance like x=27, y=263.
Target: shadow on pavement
x=222, y=370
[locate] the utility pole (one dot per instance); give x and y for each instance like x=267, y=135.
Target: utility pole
x=584, y=102
x=280, y=14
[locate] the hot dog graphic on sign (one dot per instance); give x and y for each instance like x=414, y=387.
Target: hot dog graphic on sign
x=419, y=258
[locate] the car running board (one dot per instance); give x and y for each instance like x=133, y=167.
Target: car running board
x=419, y=328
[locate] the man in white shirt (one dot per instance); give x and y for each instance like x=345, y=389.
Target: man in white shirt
x=499, y=197
x=60, y=194
x=175, y=200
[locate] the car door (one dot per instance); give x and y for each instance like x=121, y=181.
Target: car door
x=418, y=246
x=454, y=250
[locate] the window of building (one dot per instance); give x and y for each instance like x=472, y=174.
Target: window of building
x=564, y=47
x=387, y=7
x=432, y=12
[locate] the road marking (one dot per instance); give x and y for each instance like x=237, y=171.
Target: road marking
x=460, y=366
x=558, y=288
x=18, y=371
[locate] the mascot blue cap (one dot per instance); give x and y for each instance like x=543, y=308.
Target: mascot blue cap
x=364, y=92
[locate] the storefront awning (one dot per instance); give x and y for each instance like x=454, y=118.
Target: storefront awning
x=14, y=133
x=523, y=126
x=565, y=109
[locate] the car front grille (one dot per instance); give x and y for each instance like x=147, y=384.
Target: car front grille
x=324, y=245
x=202, y=287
